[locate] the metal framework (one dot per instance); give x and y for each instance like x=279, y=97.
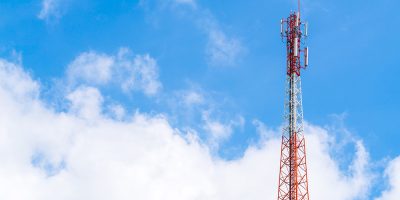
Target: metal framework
x=293, y=180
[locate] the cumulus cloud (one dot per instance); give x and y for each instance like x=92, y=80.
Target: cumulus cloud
x=392, y=173
x=81, y=153
x=86, y=102
x=129, y=72
x=324, y=171
x=117, y=111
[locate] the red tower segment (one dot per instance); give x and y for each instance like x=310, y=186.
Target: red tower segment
x=293, y=180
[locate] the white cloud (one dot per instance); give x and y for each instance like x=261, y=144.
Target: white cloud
x=130, y=73
x=191, y=97
x=62, y=155
x=91, y=67
x=263, y=131
x=194, y=97
x=117, y=111
x=17, y=82
x=200, y=108
x=324, y=171
x=142, y=74
x=219, y=131
x=50, y=9
x=392, y=172
x=86, y=102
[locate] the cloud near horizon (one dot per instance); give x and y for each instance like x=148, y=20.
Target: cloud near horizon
x=83, y=153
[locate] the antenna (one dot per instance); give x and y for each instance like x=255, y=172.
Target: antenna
x=298, y=6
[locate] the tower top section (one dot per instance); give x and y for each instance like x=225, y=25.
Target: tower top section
x=295, y=32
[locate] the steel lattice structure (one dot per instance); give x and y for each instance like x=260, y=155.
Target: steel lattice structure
x=293, y=180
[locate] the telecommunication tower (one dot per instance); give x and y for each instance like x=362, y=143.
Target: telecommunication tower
x=293, y=180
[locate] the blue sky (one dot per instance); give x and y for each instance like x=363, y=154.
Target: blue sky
x=230, y=54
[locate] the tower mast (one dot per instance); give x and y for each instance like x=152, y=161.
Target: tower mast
x=293, y=180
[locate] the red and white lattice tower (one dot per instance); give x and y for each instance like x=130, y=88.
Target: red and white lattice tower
x=293, y=180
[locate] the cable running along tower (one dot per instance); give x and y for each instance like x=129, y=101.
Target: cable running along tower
x=293, y=180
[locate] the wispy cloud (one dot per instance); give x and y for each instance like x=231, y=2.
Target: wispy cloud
x=141, y=74
x=50, y=10
x=187, y=2
x=222, y=49
x=91, y=67
x=191, y=98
